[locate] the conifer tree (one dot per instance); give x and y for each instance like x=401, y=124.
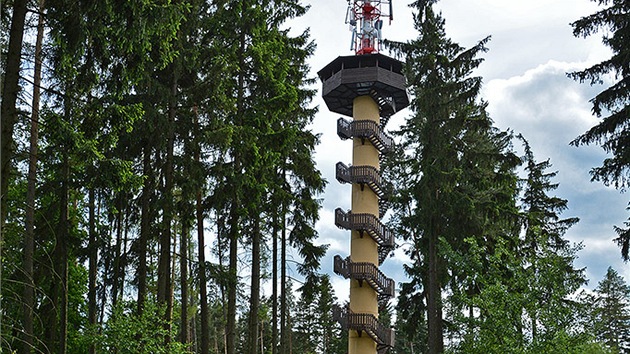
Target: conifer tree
x=29, y=236
x=269, y=152
x=90, y=67
x=441, y=174
x=610, y=312
x=147, y=104
x=612, y=105
x=8, y=107
x=546, y=255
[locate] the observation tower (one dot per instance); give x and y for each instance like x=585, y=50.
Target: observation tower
x=369, y=88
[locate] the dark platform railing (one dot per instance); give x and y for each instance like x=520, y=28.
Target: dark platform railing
x=368, y=272
x=366, y=175
x=365, y=323
x=370, y=224
x=362, y=175
x=365, y=129
x=383, y=101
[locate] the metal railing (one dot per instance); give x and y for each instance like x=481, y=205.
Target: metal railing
x=342, y=173
x=364, y=323
x=360, y=174
x=365, y=271
x=365, y=129
x=366, y=175
x=383, y=205
x=384, y=101
x=364, y=222
x=370, y=224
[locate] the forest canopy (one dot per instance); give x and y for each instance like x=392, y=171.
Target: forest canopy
x=160, y=189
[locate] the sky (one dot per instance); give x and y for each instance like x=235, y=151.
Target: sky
x=524, y=74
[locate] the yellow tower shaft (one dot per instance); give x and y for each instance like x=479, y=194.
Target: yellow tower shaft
x=363, y=299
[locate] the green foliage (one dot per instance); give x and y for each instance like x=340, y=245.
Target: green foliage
x=610, y=312
x=119, y=76
x=505, y=275
x=547, y=258
x=563, y=342
x=126, y=332
x=623, y=238
x=77, y=340
x=519, y=300
x=455, y=182
x=314, y=330
x=486, y=315
x=410, y=326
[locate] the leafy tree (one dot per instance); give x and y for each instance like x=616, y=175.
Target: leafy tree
x=520, y=301
x=492, y=323
x=613, y=103
x=127, y=332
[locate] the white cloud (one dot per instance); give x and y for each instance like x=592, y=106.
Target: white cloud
x=550, y=110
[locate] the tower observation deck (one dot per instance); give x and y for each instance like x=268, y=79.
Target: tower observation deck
x=369, y=87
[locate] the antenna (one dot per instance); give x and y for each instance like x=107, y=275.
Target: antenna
x=364, y=18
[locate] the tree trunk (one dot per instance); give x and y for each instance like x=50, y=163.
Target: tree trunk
x=171, y=289
x=93, y=263
x=254, y=300
x=262, y=336
x=164, y=263
x=283, y=284
x=183, y=281
x=123, y=255
x=434, y=294
x=289, y=334
x=61, y=260
x=8, y=114
x=106, y=274
x=205, y=340
x=223, y=285
x=29, y=237
x=274, y=287
x=232, y=281
x=144, y=227
x=8, y=110
x=117, y=251
x=234, y=215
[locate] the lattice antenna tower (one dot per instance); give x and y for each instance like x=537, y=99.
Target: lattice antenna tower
x=366, y=24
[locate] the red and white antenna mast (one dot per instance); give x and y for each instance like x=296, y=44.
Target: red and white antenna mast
x=364, y=18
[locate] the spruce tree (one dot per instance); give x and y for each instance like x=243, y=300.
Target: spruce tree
x=29, y=236
x=454, y=171
x=611, y=311
x=546, y=255
x=90, y=67
x=268, y=153
x=612, y=104
x=8, y=107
